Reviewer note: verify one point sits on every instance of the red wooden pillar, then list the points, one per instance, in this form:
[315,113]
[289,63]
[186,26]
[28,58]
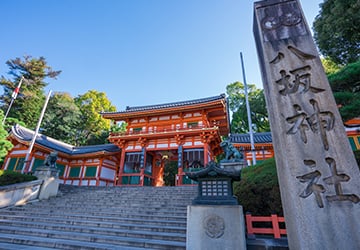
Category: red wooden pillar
[121,167]
[206,152]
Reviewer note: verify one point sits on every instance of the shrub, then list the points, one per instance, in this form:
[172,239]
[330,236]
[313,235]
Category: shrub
[258,191]
[8,177]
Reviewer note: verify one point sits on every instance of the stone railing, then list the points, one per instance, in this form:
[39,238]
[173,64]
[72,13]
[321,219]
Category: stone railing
[20,193]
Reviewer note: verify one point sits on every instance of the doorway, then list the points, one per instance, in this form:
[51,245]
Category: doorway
[170,172]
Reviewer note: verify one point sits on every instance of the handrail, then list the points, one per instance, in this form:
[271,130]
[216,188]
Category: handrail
[274,230]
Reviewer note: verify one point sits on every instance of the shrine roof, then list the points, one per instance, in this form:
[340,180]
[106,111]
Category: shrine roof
[26,135]
[263,137]
[168,105]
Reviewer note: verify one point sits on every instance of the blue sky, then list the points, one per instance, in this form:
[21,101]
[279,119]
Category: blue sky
[139,52]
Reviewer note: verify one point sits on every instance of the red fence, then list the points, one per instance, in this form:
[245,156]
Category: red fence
[274,230]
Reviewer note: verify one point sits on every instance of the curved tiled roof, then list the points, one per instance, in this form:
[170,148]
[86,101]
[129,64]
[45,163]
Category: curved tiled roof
[26,134]
[264,137]
[168,105]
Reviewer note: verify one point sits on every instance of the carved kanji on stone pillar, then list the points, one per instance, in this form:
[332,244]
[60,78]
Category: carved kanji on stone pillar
[318,176]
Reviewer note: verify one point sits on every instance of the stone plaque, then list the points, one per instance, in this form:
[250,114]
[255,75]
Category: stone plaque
[318,175]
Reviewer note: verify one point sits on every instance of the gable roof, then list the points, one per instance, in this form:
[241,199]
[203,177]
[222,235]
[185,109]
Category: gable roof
[168,105]
[263,137]
[25,135]
[216,108]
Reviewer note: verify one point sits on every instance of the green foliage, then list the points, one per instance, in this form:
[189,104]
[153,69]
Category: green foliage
[5,145]
[93,129]
[8,177]
[237,104]
[170,173]
[10,122]
[337,30]
[118,127]
[349,104]
[62,118]
[346,79]
[258,191]
[346,87]
[330,67]
[27,106]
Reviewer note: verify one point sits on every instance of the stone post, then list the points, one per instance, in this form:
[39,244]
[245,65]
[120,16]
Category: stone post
[318,175]
[50,177]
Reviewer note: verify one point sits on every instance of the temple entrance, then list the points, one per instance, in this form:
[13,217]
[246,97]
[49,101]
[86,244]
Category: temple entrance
[170,172]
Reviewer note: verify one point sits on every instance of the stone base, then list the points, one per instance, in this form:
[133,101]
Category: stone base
[215,227]
[233,166]
[50,185]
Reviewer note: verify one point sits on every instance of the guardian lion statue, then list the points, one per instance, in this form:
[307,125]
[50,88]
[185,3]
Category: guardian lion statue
[231,153]
[50,160]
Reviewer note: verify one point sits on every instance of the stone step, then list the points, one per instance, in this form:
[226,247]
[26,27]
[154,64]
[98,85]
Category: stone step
[82,233]
[96,221]
[139,198]
[96,215]
[121,201]
[105,204]
[103,226]
[100,218]
[9,246]
[121,213]
[25,233]
[32,242]
[79,204]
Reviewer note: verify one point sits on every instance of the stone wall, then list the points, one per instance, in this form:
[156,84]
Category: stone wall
[20,193]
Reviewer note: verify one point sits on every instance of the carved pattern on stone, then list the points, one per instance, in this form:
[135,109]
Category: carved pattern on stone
[336,179]
[318,121]
[273,19]
[303,56]
[301,78]
[281,21]
[312,187]
[214,226]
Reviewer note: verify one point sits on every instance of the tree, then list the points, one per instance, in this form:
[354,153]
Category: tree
[337,30]
[94,129]
[346,79]
[5,145]
[349,104]
[237,104]
[329,66]
[345,84]
[62,118]
[27,107]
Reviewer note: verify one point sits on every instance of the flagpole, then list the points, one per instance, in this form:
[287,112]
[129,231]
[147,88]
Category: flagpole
[13,97]
[248,113]
[36,132]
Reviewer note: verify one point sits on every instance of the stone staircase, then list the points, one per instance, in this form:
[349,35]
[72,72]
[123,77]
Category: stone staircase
[125,218]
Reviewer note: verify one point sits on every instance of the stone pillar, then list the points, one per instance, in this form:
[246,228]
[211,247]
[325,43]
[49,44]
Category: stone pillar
[318,175]
[215,227]
[50,177]
[215,220]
